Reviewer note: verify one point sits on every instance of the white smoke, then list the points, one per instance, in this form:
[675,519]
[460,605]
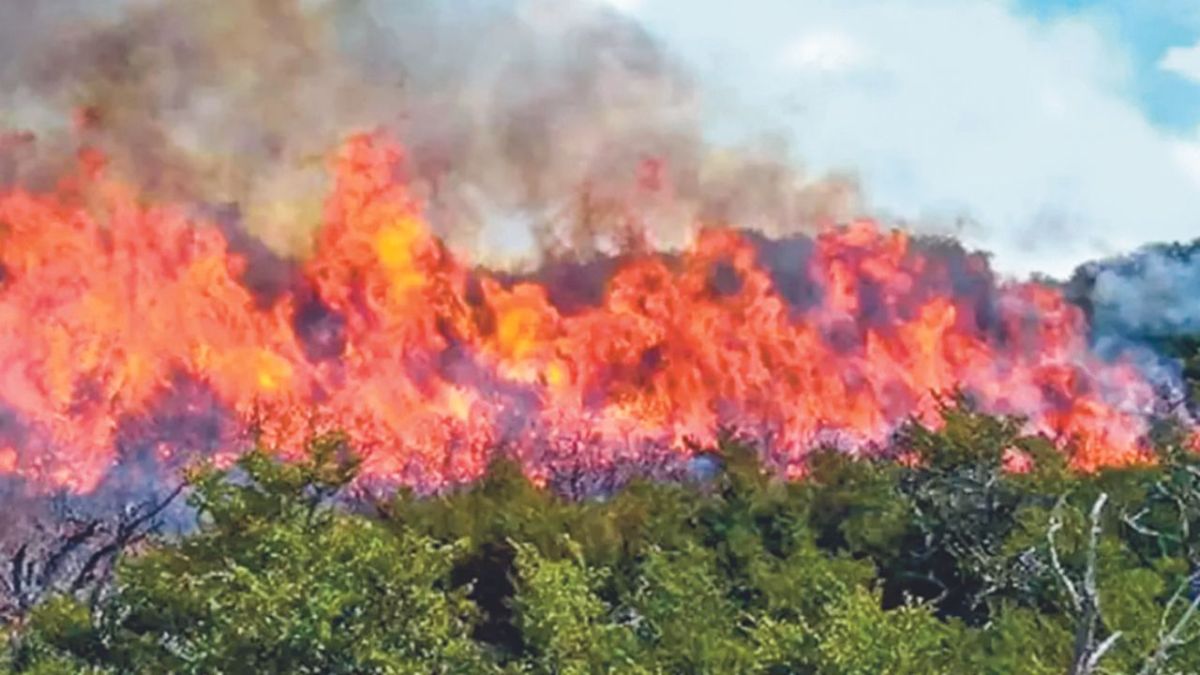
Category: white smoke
[1154,293]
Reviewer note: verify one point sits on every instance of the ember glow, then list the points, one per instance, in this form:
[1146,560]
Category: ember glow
[129,338]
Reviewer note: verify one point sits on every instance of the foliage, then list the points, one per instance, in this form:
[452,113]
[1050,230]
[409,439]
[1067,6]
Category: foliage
[275,580]
[946,564]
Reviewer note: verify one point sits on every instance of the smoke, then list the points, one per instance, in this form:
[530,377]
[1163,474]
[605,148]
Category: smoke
[533,126]
[1149,294]
[1138,303]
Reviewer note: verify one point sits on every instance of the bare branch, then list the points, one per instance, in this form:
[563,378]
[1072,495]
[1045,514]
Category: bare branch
[1134,524]
[1056,525]
[18,573]
[129,531]
[1089,577]
[1168,640]
[1086,600]
[68,546]
[1094,660]
[75,557]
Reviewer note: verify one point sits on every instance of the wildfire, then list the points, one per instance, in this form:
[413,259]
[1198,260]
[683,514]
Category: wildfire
[127,336]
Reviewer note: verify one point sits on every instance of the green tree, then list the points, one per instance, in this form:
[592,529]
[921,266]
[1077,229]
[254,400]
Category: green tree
[274,580]
[945,564]
[567,628]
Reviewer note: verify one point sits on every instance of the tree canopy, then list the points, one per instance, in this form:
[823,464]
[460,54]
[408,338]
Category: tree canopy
[947,563]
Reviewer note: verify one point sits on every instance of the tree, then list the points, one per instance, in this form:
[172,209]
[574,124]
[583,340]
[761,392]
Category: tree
[944,563]
[75,556]
[567,628]
[274,580]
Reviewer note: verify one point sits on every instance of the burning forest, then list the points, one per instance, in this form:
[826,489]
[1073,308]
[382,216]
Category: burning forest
[470,349]
[145,329]
[136,341]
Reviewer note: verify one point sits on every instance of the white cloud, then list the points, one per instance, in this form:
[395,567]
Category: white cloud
[965,108]
[825,51]
[623,5]
[1183,61]
[1187,154]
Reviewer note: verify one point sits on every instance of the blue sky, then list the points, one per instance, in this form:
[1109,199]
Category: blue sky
[1147,29]
[1047,132]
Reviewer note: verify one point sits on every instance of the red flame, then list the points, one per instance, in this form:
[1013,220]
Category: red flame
[109,307]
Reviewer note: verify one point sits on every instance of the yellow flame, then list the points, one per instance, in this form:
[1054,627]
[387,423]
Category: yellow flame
[395,246]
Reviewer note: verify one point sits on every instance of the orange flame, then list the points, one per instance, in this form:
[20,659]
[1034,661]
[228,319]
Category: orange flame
[126,333]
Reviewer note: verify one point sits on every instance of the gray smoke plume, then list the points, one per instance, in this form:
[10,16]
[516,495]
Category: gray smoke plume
[531,125]
[1138,304]
[1153,293]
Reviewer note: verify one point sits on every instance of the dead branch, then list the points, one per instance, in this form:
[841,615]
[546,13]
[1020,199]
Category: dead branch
[1056,564]
[77,559]
[1084,596]
[1170,638]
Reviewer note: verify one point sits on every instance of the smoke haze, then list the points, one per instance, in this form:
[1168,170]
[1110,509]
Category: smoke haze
[533,127]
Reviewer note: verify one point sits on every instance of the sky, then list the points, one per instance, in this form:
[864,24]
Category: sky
[1048,132]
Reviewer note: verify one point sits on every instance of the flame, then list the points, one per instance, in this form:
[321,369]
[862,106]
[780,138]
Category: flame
[126,332]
